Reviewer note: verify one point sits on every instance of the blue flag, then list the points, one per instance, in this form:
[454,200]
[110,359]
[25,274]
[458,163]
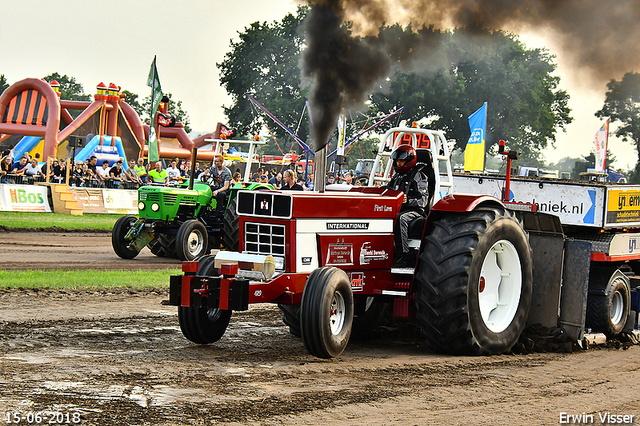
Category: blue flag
[474,152]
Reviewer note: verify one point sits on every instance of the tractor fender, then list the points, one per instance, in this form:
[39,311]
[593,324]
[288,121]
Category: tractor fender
[464,202]
[457,203]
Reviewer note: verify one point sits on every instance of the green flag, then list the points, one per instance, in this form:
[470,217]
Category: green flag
[156,95]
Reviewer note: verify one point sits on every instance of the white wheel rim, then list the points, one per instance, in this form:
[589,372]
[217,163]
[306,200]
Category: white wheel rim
[617,308]
[499,286]
[337,313]
[194,242]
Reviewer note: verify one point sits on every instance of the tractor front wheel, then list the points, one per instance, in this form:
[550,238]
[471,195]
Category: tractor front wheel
[118,242]
[326,312]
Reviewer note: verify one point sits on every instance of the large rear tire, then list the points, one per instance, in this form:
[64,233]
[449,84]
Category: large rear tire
[231,227]
[200,324]
[120,246]
[474,282]
[192,240]
[326,312]
[608,302]
[156,248]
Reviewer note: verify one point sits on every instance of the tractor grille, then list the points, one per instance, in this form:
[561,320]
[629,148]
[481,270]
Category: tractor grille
[170,199]
[264,239]
[149,196]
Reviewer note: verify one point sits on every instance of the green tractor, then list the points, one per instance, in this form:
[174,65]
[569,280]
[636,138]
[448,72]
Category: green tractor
[180,221]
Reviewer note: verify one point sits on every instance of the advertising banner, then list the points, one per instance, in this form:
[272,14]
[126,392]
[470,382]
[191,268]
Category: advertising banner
[574,204]
[90,200]
[623,205]
[24,198]
[120,200]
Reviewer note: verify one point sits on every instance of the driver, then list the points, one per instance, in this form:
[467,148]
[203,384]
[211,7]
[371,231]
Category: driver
[413,183]
[219,178]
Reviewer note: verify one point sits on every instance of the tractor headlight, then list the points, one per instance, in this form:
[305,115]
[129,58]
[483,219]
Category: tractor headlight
[279,263]
[155,207]
[140,205]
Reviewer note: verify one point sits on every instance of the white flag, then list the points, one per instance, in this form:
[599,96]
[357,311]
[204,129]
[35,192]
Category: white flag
[601,141]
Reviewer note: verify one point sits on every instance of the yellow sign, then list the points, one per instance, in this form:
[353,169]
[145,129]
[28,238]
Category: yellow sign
[623,206]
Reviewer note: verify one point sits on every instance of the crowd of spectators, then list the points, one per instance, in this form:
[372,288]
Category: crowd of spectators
[90,174]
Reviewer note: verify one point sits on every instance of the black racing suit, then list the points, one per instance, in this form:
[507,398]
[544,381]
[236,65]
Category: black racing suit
[414,184]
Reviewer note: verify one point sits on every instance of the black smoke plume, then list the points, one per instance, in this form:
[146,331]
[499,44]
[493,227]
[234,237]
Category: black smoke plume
[598,37]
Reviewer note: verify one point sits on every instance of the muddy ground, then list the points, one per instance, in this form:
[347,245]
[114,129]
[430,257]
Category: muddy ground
[119,358]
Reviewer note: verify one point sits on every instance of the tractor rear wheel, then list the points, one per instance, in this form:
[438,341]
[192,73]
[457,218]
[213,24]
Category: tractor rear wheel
[474,282]
[156,248]
[119,244]
[608,302]
[192,240]
[200,324]
[231,227]
[326,312]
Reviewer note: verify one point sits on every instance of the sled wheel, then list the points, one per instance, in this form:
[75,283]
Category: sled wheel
[200,324]
[231,227]
[192,240]
[474,282]
[291,317]
[608,303]
[326,312]
[120,245]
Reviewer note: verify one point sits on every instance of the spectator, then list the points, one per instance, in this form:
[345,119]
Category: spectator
[142,170]
[309,185]
[173,172]
[6,169]
[264,179]
[103,171]
[184,167]
[20,167]
[197,172]
[237,177]
[92,166]
[34,171]
[115,174]
[276,181]
[157,175]
[348,179]
[331,180]
[78,175]
[58,170]
[131,177]
[290,183]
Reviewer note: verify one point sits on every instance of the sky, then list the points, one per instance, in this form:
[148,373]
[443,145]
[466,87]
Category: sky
[115,41]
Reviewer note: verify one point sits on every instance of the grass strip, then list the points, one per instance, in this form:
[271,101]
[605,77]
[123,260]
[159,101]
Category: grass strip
[31,220]
[85,279]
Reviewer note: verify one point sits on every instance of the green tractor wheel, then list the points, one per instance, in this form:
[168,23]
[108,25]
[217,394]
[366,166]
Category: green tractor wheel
[192,240]
[118,242]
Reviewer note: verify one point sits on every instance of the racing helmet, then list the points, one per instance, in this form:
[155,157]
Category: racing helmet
[407,153]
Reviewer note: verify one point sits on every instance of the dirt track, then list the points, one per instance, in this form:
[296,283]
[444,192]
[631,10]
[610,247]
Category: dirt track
[120,359]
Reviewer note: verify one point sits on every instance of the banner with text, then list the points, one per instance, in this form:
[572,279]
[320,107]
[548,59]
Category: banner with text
[24,198]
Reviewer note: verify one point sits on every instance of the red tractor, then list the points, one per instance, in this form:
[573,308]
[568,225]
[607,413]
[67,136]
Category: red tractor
[326,259]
